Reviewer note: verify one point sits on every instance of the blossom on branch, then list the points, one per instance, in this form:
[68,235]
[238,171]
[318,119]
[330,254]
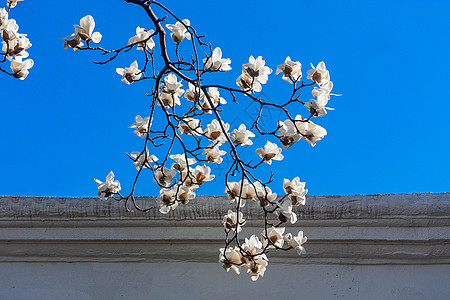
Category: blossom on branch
[214,154]
[314,133]
[319,74]
[164,176]
[131,74]
[274,238]
[109,187]
[16,47]
[231,259]
[141,125]
[231,221]
[20,69]
[256,264]
[296,242]
[171,91]
[216,62]
[190,126]
[214,131]
[317,107]
[194,93]
[179,31]
[296,190]
[86,28]
[143,37]
[143,159]
[12,3]
[241,136]
[269,152]
[291,70]
[254,73]
[287,133]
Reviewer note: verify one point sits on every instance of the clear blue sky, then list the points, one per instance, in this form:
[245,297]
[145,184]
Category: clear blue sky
[67,122]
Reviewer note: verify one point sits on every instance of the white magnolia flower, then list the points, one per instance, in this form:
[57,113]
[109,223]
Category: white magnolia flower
[181,164]
[230,221]
[274,237]
[17,47]
[171,92]
[245,82]
[86,28]
[167,200]
[3,17]
[20,69]
[131,74]
[317,107]
[143,159]
[216,62]
[264,194]
[214,132]
[184,193]
[214,154]
[242,188]
[72,41]
[324,89]
[319,74]
[257,265]
[109,187]
[291,70]
[287,133]
[231,259]
[12,3]
[198,176]
[141,125]
[284,211]
[314,133]
[296,242]
[179,31]
[190,126]
[164,176]
[194,93]
[241,136]
[255,68]
[269,152]
[9,32]
[296,190]
[215,98]
[142,34]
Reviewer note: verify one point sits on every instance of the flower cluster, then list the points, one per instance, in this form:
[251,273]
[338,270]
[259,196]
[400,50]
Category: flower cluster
[186,130]
[14,44]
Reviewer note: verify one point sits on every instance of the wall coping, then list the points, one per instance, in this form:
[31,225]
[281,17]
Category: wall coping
[355,229]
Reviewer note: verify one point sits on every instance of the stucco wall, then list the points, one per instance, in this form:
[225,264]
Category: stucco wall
[359,247]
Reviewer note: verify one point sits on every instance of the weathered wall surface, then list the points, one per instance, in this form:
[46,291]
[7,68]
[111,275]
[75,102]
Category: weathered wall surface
[359,247]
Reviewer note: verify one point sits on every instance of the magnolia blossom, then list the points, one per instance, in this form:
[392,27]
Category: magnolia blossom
[287,133]
[9,31]
[12,3]
[171,92]
[214,132]
[317,107]
[143,37]
[314,133]
[274,237]
[324,89]
[131,74]
[72,41]
[198,176]
[246,82]
[179,31]
[296,190]
[214,154]
[17,47]
[258,264]
[255,68]
[231,258]
[167,200]
[264,194]
[243,189]
[109,187]
[319,74]
[86,28]
[141,125]
[269,152]
[181,164]
[231,221]
[3,17]
[19,68]
[216,62]
[164,176]
[214,97]
[184,193]
[143,159]
[190,126]
[194,93]
[284,211]
[241,136]
[296,242]
[291,70]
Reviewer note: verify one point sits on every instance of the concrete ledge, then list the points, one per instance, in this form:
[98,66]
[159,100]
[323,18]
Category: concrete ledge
[375,229]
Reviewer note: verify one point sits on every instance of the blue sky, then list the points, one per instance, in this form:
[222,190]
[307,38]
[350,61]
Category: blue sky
[67,122]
